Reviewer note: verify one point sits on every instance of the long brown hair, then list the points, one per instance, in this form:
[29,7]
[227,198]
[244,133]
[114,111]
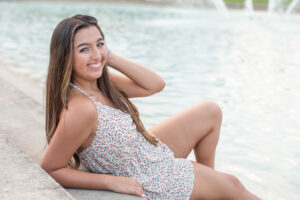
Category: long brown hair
[60,76]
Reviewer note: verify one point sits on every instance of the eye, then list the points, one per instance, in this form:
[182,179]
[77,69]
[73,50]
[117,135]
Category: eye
[83,50]
[100,44]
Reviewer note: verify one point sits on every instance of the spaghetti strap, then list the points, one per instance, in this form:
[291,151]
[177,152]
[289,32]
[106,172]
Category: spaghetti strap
[83,92]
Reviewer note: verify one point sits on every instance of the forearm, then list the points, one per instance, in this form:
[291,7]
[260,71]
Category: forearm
[142,76]
[72,178]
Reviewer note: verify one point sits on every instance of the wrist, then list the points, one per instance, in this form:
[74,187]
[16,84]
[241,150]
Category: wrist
[108,57]
[108,180]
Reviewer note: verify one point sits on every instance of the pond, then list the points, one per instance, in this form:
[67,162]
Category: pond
[249,65]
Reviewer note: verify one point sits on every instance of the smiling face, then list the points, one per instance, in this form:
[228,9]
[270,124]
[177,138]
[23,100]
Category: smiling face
[90,54]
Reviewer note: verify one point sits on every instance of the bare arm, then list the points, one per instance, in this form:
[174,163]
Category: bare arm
[75,126]
[138,81]
[72,178]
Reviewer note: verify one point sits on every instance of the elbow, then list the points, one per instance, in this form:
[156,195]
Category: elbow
[53,174]
[48,171]
[160,85]
[163,85]
[48,168]
[45,168]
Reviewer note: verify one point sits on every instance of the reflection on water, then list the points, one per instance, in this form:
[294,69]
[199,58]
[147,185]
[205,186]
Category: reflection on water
[249,66]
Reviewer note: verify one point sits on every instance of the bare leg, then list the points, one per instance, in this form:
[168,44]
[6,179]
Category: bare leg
[206,147]
[197,127]
[211,184]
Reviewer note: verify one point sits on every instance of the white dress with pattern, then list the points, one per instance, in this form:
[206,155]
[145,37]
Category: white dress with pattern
[119,149]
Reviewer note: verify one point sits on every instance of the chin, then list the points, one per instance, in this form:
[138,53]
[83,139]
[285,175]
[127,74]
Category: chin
[97,76]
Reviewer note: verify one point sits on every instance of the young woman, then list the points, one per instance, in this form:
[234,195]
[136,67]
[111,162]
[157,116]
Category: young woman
[90,120]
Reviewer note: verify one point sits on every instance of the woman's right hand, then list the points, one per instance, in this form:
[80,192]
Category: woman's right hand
[125,185]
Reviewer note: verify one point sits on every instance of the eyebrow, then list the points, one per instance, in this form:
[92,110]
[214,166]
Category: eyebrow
[82,44]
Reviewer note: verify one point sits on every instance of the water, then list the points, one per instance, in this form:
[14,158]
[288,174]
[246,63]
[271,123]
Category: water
[291,6]
[250,66]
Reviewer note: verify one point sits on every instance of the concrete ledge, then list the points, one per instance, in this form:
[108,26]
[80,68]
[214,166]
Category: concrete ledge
[21,178]
[22,117]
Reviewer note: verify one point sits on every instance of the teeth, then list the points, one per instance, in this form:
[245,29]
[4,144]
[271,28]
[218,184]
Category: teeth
[94,66]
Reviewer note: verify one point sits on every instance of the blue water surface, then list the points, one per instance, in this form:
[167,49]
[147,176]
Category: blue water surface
[248,64]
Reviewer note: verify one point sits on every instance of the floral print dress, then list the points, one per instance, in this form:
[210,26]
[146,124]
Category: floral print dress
[119,149]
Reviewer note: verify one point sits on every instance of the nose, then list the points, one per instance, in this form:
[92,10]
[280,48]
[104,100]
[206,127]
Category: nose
[96,54]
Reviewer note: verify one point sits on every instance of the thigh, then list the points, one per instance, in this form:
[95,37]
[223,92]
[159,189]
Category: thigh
[211,184]
[183,131]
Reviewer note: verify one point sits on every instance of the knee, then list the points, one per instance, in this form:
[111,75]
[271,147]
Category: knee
[235,182]
[212,109]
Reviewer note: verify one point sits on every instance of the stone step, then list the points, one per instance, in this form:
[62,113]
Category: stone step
[22,178]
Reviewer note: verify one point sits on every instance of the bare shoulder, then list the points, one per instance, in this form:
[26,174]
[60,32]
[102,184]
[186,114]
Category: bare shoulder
[81,111]
[76,124]
[81,103]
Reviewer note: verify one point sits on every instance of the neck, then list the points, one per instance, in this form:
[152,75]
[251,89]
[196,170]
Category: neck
[88,86]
